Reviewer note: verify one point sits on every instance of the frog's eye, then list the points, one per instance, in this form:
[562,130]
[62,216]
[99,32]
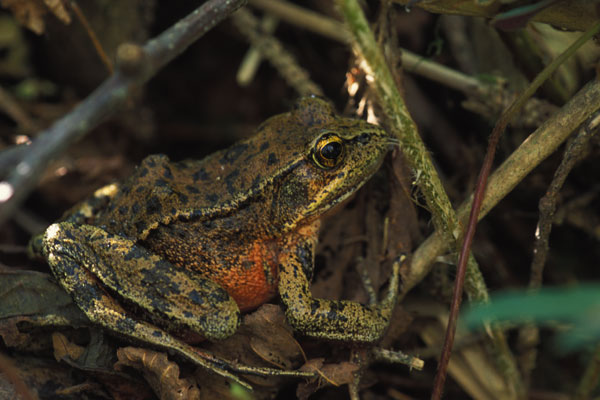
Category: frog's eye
[328,151]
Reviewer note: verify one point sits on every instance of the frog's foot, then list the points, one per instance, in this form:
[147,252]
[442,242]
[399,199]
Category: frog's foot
[329,319]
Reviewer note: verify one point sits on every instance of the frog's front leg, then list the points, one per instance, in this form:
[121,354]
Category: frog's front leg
[329,319]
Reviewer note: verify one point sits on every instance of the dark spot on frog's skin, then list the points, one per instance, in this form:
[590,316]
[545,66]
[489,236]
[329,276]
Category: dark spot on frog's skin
[160,306]
[133,254]
[218,296]
[135,208]
[183,199]
[173,211]
[157,334]
[212,198]
[314,307]
[196,297]
[200,175]
[336,312]
[192,189]
[250,156]
[363,138]
[230,180]
[272,159]
[153,206]
[264,146]
[68,234]
[305,258]
[123,210]
[188,314]
[140,226]
[233,153]
[167,173]
[151,162]
[125,325]
[160,183]
[140,189]
[341,175]
[256,181]
[143,172]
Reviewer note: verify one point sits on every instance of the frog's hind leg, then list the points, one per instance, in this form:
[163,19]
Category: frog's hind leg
[78,255]
[105,311]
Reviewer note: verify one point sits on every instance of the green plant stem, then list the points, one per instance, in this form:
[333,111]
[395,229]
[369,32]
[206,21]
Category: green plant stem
[402,126]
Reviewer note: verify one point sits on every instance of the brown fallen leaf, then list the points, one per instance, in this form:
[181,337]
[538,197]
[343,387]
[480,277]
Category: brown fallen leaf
[329,374]
[64,348]
[30,13]
[161,373]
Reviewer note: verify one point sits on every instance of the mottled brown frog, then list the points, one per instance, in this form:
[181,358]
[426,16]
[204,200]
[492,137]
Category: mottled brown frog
[191,244]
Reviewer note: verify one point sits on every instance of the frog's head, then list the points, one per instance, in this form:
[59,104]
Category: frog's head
[337,156]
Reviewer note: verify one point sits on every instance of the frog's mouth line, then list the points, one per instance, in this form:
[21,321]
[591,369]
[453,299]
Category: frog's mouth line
[341,199]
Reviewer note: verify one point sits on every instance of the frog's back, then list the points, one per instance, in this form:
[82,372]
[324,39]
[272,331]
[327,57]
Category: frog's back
[161,191]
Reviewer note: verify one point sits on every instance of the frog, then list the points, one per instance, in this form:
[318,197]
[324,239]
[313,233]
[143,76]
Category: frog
[188,246]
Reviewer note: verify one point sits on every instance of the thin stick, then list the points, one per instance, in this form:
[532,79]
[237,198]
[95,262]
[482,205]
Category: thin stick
[88,28]
[272,49]
[107,98]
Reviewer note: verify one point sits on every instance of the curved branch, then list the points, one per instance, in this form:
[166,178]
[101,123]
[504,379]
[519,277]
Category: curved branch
[137,65]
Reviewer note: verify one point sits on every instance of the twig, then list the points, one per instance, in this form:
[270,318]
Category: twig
[10,106]
[92,35]
[336,30]
[278,56]
[107,98]
[305,18]
[253,58]
[484,98]
[576,150]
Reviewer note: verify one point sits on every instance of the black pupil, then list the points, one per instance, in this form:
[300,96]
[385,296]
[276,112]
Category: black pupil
[331,150]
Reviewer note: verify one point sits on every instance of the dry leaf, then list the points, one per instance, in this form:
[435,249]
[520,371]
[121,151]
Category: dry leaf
[30,13]
[63,347]
[57,7]
[328,374]
[161,374]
